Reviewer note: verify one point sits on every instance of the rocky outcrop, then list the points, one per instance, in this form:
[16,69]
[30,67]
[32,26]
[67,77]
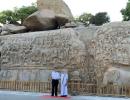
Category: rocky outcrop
[51,15]
[45,20]
[58,6]
[95,53]
[86,35]
[70,25]
[61,19]
[41,20]
[31,56]
[28,55]
[111,47]
[12,29]
[36,51]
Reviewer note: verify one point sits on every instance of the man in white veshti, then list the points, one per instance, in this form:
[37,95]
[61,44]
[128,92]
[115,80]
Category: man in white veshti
[64,81]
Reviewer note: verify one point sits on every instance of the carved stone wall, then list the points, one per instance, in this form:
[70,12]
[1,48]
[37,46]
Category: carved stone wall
[32,56]
[90,51]
[42,49]
[25,56]
[111,47]
[87,34]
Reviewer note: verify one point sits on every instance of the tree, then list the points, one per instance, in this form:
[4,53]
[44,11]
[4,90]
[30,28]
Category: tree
[6,16]
[100,18]
[126,12]
[18,14]
[24,12]
[84,18]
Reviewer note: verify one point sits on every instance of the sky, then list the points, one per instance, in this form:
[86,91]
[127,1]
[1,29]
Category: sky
[78,7]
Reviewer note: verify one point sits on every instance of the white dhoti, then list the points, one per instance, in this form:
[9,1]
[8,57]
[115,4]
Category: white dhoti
[64,81]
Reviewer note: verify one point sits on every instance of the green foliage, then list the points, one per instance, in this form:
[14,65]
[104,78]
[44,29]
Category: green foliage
[84,18]
[6,16]
[18,14]
[126,12]
[24,12]
[100,18]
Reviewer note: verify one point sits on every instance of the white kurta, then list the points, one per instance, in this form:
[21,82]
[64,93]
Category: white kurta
[64,80]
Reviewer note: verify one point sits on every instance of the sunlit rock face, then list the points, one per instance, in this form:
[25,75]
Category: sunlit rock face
[28,56]
[8,29]
[41,48]
[41,20]
[51,14]
[95,53]
[111,47]
[117,76]
[58,6]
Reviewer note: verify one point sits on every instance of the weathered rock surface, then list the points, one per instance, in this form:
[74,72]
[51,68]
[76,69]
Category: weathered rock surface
[117,76]
[52,14]
[86,35]
[25,74]
[111,47]
[29,55]
[58,6]
[62,19]
[12,29]
[41,20]
[70,25]
[92,52]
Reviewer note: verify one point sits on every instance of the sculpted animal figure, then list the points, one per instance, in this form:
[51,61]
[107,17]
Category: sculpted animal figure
[116,79]
[117,76]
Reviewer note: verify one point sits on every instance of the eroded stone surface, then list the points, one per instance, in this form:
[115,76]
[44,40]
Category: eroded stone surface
[111,47]
[12,29]
[28,53]
[41,20]
[117,76]
[41,48]
[90,51]
[58,6]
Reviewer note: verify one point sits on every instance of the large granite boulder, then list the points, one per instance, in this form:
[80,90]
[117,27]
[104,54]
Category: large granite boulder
[52,14]
[41,20]
[58,6]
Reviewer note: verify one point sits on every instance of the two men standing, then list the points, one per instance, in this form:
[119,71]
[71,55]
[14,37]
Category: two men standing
[56,76]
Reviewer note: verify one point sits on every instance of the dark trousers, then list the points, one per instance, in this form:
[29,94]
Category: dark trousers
[54,87]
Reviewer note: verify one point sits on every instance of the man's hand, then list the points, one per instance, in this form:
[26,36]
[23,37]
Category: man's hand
[66,84]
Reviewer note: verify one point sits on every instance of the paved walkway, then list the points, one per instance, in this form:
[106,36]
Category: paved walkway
[8,95]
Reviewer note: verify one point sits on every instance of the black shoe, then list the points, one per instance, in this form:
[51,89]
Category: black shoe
[63,95]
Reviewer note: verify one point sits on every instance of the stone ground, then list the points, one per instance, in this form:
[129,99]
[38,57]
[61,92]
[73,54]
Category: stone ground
[10,95]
